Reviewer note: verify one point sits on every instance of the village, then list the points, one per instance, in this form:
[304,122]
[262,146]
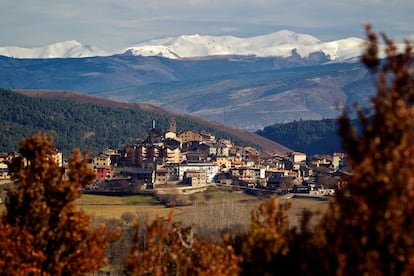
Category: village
[168,162]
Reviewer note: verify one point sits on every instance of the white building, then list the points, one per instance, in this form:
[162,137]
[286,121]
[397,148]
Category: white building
[209,168]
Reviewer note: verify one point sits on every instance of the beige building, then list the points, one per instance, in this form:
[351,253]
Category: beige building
[297,159]
[161,176]
[188,136]
[172,155]
[195,177]
[101,161]
[223,163]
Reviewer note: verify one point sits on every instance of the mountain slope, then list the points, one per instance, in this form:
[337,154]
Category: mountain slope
[92,123]
[308,136]
[239,91]
[254,100]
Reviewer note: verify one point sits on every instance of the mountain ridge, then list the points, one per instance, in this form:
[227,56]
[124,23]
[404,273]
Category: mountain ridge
[277,44]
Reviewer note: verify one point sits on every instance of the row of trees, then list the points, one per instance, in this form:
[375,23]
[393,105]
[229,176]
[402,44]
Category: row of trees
[368,229]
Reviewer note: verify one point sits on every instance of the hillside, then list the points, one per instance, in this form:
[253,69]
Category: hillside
[308,136]
[244,92]
[92,123]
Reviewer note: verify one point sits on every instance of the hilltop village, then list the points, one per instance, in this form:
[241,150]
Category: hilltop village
[188,161]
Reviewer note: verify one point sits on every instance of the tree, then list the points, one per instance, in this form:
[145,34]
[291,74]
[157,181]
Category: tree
[326,181]
[286,183]
[165,248]
[42,232]
[369,229]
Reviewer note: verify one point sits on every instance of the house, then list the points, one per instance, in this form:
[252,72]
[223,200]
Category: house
[239,151]
[195,177]
[222,149]
[133,155]
[172,150]
[104,172]
[102,166]
[189,136]
[223,163]
[297,159]
[337,160]
[253,155]
[208,137]
[161,176]
[210,169]
[275,178]
[249,175]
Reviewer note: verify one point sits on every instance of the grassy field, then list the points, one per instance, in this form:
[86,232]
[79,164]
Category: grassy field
[114,206]
[219,207]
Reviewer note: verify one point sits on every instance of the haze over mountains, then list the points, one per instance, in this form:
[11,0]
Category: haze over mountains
[247,83]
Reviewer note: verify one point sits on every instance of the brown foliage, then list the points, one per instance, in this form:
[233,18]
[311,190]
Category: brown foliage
[42,232]
[166,248]
[369,229]
[266,240]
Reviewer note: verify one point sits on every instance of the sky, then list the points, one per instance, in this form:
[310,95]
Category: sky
[118,24]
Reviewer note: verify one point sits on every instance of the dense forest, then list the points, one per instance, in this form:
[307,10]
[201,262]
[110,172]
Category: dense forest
[90,127]
[311,137]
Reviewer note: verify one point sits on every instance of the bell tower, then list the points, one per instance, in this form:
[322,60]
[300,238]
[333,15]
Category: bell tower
[173,125]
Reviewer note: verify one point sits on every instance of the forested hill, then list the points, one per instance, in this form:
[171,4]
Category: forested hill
[91,123]
[311,137]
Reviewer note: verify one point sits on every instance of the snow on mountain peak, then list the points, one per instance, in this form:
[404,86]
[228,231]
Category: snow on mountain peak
[65,49]
[281,44]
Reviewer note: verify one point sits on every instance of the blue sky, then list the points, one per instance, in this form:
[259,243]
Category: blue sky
[117,24]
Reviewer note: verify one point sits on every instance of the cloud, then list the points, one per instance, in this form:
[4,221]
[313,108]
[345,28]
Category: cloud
[115,24]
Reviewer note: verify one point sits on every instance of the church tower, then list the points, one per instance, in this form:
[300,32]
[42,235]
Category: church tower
[173,125]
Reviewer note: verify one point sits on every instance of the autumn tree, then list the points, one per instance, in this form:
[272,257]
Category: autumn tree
[369,229]
[41,231]
[162,247]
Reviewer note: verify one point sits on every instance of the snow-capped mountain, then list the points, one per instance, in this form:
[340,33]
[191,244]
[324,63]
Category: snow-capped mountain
[66,49]
[280,44]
